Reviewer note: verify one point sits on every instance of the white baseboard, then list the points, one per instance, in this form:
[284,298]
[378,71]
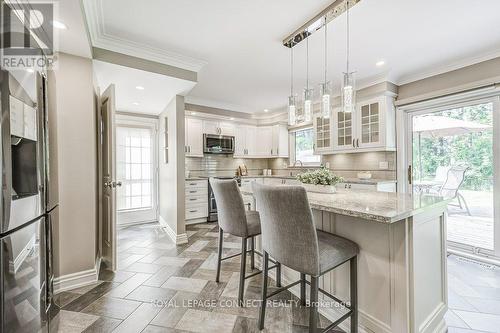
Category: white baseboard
[178,239]
[78,279]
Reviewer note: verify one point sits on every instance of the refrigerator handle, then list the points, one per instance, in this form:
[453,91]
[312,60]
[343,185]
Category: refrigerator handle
[6,153]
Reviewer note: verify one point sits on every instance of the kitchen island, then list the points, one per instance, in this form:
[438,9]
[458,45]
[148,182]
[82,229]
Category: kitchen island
[402,280]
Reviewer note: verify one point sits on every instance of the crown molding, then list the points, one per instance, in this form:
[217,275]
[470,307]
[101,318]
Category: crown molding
[102,39]
[437,70]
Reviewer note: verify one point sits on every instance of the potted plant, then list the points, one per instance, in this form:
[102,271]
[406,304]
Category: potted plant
[321,180]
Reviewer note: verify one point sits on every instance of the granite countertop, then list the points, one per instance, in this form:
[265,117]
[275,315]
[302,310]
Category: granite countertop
[372,181]
[381,207]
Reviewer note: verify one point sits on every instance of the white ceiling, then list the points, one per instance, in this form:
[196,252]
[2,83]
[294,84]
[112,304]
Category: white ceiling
[75,39]
[247,68]
[158,89]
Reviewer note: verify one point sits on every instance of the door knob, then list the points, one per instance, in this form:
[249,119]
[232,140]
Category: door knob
[116,184]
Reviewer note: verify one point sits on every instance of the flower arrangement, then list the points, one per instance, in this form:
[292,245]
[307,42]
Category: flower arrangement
[321,176]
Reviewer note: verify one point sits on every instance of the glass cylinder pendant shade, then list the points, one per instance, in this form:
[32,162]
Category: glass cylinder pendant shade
[292,110]
[308,98]
[348,93]
[325,99]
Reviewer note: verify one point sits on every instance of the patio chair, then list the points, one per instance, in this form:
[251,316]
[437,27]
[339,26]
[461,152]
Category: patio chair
[450,188]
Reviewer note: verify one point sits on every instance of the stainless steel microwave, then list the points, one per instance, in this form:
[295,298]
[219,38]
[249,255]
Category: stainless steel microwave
[218,144]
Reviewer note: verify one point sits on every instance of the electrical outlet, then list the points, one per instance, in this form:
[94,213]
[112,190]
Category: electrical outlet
[383,165]
[327,165]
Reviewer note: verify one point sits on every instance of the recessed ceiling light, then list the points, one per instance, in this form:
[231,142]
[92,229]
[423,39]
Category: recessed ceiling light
[139,88]
[380,63]
[231,118]
[266,110]
[136,103]
[30,70]
[193,113]
[59,25]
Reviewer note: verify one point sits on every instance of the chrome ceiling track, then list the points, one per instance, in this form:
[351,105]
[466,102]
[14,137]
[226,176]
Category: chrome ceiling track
[317,22]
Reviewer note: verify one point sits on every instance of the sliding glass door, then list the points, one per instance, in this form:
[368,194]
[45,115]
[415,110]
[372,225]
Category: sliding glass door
[452,150]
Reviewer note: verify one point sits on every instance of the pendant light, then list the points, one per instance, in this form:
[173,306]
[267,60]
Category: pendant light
[348,92]
[292,108]
[325,87]
[308,93]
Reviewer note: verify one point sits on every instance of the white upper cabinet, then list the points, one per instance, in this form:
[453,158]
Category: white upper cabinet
[227,129]
[322,133]
[280,141]
[264,141]
[218,128]
[251,141]
[194,137]
[370,128]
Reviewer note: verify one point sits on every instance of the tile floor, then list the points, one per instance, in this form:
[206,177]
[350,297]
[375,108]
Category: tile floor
[159,287]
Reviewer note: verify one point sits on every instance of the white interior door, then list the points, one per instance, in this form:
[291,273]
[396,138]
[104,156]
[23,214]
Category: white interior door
[474,214]
[108,180]
[136,170]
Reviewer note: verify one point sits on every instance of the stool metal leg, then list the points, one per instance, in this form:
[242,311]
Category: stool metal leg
[313,306]
[302,289]
[262,314]
[252,253]
[219,254]
[278,274]
[354,294]
[242,270]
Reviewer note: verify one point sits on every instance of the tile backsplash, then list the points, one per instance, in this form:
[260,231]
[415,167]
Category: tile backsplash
[345,165]
[223,165]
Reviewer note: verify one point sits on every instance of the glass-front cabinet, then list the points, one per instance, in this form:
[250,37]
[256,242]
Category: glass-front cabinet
[370,123]
[322,133]
[370,128]
[343,130]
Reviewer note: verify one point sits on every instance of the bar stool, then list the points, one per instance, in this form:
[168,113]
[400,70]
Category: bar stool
[235,220]
[288,229]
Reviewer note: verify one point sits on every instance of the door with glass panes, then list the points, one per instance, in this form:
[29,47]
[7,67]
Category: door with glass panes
[343,137]
[136,170]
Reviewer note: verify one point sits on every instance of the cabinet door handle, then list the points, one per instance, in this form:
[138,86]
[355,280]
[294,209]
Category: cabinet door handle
[357,143]
[353,143]
[271,152]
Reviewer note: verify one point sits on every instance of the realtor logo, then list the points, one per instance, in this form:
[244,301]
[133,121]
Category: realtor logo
[27,35]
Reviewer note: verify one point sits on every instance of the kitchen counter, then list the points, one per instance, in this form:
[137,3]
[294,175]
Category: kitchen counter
[374,206]
[402,260]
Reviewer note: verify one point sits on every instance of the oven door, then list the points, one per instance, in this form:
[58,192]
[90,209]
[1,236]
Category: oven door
[218,144]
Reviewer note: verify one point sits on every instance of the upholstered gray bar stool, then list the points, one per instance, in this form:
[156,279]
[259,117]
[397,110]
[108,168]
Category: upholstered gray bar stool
[288,230]
[235,220]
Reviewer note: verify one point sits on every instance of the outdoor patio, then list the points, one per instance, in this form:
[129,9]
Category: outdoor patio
[477,229]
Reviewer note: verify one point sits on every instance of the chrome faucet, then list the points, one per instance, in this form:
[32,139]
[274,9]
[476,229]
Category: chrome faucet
[295,163]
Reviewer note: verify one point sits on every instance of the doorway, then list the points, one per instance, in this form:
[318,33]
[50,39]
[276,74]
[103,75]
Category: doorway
[136,168]
[450,148]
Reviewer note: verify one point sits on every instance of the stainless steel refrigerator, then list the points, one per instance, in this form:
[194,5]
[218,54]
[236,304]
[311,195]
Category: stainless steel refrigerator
[27,205]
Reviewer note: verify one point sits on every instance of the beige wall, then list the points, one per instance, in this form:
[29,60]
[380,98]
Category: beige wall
[171,174]
[470,77]
[74,146]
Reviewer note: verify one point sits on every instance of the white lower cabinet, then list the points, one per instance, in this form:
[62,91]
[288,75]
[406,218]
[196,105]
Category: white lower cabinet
[196,201]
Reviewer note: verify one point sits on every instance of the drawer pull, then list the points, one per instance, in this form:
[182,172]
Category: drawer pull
[193,191]
[192,183]
[192,199]
[193,211]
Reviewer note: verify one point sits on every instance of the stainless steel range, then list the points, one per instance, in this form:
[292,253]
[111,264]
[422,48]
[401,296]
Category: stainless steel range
[212,204]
